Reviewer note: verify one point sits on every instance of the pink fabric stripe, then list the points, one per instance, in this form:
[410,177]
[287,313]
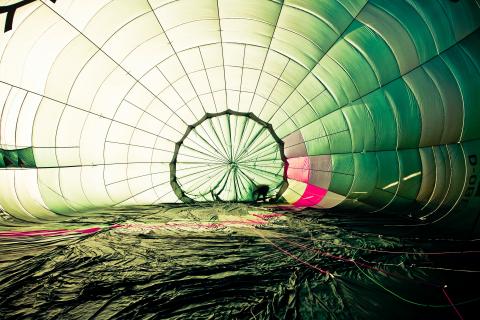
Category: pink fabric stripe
[47,233]
[299,169]
[313,195]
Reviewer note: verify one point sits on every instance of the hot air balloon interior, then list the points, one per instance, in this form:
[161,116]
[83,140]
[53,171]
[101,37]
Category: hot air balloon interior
[239,159]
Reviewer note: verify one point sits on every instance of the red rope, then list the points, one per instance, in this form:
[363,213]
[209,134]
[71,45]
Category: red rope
[451,303]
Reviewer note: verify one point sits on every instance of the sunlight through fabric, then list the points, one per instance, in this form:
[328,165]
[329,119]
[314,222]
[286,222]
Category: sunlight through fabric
[364,105]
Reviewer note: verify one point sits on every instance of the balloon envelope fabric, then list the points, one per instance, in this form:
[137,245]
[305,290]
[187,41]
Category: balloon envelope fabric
[365,105]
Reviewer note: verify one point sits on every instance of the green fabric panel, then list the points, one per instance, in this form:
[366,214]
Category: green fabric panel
[353,6]
[453,192]
[340,142]
[2,163]
[297,41]
[27,157]
[471,46]
[430,105]
[334,14]
[383,119]
[379,55]
[294,17]
[471,190]
[287,127]
[458,172]
[388,170]
[451,97]
[343,163]
[334,122]
[337,131]
[294,104]
[413,23]
[464,215]
[279,94]
[304,116]
[318,146]
[342,173]
[331,81]
[10,158]
[428,175]
[308,25]
[387,164]
[410,179]
[324,104]
[464,16]
[313,130]
[357,67]
[341,183]
[400,206]
[442,178]
[394,34]
[54,201]
[437,21]
[407,114]
[361,127]
[310,87]
[468,78]
[294,73]
[365,180]
[342,81]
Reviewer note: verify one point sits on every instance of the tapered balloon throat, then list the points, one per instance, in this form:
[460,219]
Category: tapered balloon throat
[226,156]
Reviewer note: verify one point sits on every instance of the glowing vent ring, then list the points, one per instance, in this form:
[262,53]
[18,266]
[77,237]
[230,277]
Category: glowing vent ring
[228,157]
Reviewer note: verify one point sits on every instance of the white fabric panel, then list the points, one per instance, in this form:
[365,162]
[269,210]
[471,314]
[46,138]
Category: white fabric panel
[212,55]
[43,54]
[9,117]
[155,81]
[67,66]
[77,12]
[171,98]
[200,82]
[23,12]
[233,76]
[94,186]
[131,35]
[191,60]
[266,11]
[90,78]
[142,190]
[142,139]
[49,186]
[193,34]
[119,191]
[119,132]
[115,153]
[72,188]
[216,78]
[234,54]
[45,130]
[70,127]
[111,93]
[113,16]
[249,79]
[246,31]
[92,140]
[141,60]
[9,197]
[184,88]
[181,12]
[67,156]
[140,96]
[26,116]
[20,45]
[114,173]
